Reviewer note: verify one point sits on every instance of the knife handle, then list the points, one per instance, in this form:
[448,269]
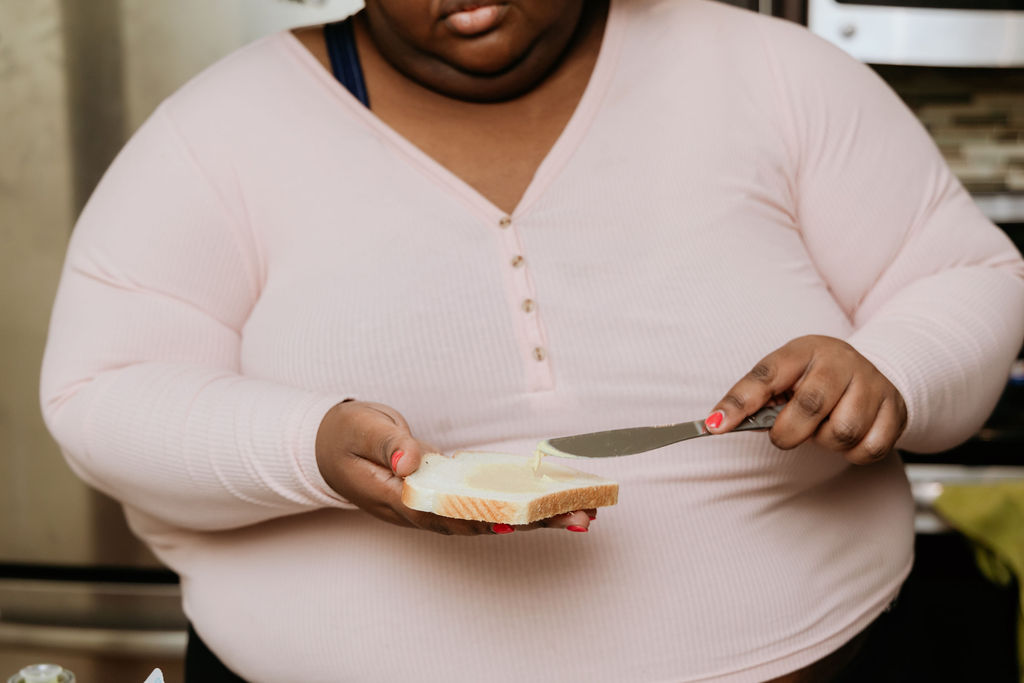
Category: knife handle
[762,419]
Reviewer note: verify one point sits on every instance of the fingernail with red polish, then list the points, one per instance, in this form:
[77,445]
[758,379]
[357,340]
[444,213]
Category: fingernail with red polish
[576,528]
[395,457]
[502,528]
[714,420]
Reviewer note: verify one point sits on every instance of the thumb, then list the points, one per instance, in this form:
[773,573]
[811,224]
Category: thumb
[383,437]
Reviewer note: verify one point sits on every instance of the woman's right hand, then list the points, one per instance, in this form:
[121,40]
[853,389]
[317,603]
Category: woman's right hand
[364,449]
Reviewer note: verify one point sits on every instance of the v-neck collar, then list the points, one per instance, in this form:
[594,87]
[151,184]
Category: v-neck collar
[561,151]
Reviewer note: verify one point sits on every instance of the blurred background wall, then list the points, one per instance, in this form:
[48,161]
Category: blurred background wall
[76,78]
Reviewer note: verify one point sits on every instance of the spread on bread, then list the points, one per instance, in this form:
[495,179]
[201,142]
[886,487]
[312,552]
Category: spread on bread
[535,460]
[512,477]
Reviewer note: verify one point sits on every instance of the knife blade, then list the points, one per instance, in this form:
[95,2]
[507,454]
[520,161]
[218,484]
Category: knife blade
[632,440]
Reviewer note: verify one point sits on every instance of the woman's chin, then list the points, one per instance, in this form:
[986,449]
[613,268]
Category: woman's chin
[478,88]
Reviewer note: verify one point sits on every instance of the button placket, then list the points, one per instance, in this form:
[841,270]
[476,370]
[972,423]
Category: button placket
[538,368]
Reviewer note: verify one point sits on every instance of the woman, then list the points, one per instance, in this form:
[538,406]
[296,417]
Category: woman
[493,224]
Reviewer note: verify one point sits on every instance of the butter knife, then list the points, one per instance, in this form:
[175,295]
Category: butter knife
[639,439]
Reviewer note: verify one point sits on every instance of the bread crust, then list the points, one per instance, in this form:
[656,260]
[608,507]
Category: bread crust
[483,509]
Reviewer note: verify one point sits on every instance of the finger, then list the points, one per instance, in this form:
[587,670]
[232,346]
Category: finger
[382,436]
[881,438]
[449,526]
[372,488]
[577,521]
[404,463]
[771,376]
[815,396]
[850,419]
[406,455]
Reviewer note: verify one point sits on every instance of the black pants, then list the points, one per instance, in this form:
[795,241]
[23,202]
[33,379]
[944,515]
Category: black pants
[202,666]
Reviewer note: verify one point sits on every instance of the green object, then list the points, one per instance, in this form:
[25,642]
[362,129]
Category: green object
[991,515]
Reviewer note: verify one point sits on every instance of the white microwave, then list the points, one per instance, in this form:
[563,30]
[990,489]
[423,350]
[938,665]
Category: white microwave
[969,33]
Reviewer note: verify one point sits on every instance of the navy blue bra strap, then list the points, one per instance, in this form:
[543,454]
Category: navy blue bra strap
[341,47]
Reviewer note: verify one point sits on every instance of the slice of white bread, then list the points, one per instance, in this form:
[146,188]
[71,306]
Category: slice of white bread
[502,488]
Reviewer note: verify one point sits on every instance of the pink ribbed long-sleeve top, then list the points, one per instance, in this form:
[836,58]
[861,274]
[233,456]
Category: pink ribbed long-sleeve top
[265,247]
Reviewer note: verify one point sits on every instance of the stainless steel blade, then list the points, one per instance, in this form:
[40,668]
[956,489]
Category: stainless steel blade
[633,440]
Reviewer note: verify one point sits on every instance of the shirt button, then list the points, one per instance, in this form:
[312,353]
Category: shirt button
[529,305]
[517,261]
[505,221]
[539,353]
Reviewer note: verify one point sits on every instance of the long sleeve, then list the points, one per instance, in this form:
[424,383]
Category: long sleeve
[142,383]
[935,291]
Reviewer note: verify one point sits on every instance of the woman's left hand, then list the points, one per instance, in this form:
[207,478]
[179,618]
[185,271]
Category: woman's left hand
[836,397]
